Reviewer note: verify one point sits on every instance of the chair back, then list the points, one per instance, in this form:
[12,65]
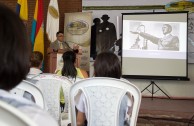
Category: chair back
[50,85]
[103,97]
[11,116]
[31,90]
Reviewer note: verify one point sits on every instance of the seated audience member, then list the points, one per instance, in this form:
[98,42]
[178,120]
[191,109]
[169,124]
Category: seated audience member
[14,66]
[36,60]
[36,63]
[60,44]
[35,68]
[106,64]
[69,70]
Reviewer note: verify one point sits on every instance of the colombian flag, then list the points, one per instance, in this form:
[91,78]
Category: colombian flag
[37,34]
[22,9]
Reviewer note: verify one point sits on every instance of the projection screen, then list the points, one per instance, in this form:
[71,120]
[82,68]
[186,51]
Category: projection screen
[154,45]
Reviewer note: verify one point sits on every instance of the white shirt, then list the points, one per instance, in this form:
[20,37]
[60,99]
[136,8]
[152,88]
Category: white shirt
[33,72]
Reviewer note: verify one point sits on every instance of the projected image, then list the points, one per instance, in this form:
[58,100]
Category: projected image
[154,36]
[155,45]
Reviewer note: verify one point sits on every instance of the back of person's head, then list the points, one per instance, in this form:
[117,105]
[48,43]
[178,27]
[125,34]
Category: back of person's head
[59,32]
[14,46]
[36,59]
[96,21]
[107,64]
[69,70]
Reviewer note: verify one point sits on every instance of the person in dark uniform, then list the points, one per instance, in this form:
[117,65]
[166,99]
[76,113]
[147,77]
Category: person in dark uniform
[106,35]
[96,22]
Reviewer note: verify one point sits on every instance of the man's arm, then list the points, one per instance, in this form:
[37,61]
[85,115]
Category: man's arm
[80,106]
[147,36]
[80,118]
[53,45]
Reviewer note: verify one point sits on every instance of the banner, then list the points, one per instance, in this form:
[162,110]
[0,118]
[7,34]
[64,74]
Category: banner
[77,31]
[37,34]
[22,9]
[52,24]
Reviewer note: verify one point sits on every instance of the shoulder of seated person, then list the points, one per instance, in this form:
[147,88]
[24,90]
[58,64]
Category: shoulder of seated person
[84,72]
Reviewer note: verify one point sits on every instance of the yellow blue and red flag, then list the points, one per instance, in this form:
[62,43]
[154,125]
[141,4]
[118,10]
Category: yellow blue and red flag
[22,9]
[37,34]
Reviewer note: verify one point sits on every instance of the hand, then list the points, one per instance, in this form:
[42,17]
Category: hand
[55,50]
[134,32]
[75,47]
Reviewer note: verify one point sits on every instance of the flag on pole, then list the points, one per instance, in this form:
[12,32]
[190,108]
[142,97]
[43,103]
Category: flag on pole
[37,34]
[52,24]
[22,9]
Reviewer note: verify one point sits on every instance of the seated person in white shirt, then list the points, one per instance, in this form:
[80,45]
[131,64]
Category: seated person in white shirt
[36,63]
[14,66]
[35,66]
[106,64]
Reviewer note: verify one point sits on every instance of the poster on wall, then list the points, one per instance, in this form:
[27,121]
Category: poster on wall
[77,31]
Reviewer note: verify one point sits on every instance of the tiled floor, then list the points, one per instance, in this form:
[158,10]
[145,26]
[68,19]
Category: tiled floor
[165,112]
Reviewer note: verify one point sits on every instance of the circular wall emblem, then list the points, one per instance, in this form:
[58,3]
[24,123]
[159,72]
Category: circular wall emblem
[53,12]
[78,27]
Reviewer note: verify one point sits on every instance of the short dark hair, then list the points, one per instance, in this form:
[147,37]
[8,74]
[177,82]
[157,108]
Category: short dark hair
[169,28]
[36,59]
[69,70]
[96,20]
[14,46]
[59,33]
[107,64]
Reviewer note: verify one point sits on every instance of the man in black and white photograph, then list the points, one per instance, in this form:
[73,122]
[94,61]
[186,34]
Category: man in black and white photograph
[166,42]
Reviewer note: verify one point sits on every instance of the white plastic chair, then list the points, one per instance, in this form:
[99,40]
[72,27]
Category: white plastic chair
[103,97]
[50,85]
[32,90]
[10,116]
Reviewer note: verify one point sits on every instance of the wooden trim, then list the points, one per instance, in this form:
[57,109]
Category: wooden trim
[147,7]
